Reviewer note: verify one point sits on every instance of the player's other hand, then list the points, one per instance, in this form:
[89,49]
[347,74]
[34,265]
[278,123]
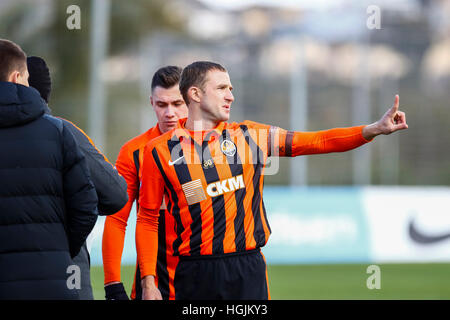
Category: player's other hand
[393,120]
[149,289]
[115,291]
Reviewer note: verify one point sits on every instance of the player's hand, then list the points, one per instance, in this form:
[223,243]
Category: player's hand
[393,120]
[149,289]
[115,291]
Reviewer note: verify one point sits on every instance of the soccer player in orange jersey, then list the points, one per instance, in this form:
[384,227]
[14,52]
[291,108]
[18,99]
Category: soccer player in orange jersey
[212,172]
[169,107]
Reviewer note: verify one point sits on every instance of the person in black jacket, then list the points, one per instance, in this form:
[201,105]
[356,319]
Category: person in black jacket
[111,187]
[48,203]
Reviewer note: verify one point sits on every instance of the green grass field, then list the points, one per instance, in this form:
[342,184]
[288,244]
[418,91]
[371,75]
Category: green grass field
[338,281]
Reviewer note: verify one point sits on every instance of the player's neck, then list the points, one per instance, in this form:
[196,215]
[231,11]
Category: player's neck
[200,124]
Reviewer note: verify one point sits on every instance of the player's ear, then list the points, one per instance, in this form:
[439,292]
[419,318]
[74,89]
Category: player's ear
[151,100]
[14,77]
[194,94]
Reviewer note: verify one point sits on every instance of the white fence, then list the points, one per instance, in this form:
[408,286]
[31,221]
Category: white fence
[342,225]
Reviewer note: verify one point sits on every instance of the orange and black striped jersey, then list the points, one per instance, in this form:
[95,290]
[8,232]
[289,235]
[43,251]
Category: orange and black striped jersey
[129,165]
[214,182]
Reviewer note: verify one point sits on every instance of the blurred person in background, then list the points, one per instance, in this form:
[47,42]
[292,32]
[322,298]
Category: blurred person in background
[48,203]
[111,188]
[214,174]
[169,107]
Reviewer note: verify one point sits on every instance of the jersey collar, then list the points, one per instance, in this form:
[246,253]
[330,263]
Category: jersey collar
[182,133]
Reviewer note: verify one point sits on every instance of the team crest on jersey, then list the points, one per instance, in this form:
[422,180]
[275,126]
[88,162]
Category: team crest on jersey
[228,148]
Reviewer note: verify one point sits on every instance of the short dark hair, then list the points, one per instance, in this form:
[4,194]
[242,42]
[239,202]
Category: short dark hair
[195,75]
[12,58]
[166,77]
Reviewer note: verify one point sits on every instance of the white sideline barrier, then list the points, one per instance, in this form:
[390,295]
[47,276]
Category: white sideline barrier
[341,225]
[408,224]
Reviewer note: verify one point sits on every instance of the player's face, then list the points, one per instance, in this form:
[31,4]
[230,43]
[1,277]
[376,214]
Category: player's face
[216,96]
[169,107]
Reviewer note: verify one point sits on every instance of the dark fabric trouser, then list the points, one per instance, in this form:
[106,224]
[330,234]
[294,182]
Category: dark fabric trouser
[231,276]
[84,262]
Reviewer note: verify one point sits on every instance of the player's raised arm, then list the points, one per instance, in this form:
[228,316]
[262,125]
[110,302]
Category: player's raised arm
[393,120]
[290,144]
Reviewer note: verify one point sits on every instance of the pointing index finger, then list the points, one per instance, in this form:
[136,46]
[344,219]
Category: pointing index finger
[396,103]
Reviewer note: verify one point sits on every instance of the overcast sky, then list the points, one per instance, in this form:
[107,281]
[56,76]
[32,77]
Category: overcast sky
[308,4]
[237,4]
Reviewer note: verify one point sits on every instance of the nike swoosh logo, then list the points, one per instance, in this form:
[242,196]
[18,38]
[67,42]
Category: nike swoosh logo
[419,237]
[171,163]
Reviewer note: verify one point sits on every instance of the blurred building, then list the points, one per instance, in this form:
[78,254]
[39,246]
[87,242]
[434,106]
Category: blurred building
[297,64]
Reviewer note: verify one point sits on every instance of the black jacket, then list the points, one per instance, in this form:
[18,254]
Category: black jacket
[110,186]
[112,195]
[48,204]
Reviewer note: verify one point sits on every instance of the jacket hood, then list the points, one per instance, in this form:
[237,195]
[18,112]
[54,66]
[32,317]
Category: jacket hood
[19,104]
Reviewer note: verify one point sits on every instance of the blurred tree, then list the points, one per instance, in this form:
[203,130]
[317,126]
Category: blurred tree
[67,51]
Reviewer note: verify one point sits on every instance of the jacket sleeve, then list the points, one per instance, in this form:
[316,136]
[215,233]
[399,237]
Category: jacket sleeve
[110,186]
[79,193]
[116,224]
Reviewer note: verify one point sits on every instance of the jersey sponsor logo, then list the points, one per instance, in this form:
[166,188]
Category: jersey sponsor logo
[171,163]
[228,148]
[193,191]
[223,186]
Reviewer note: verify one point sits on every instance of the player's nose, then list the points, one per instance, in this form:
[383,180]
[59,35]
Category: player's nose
[229,96]
[170,112]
